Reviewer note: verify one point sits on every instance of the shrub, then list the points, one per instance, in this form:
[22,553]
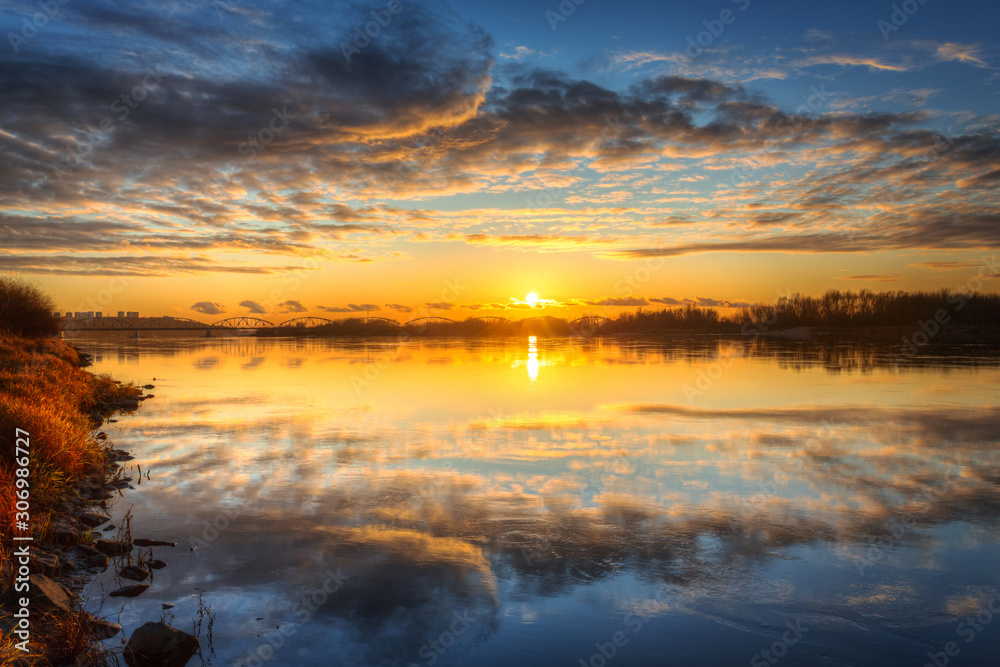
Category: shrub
[25,310]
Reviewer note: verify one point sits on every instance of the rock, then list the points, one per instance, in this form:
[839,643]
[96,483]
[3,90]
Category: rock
[133,572]
[121,483]
[102,436]
[129,591]
[103,629]
[168,605]
[70,565]
[148,396]
[43,563]
[148,386]
[113,547]
[63,532]
[109,527]
[143,542]
[157,564]
[47,594]
[99,561]
[93,519]
[159,645]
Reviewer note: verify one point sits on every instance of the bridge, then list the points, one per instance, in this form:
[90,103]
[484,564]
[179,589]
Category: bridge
[132,324]
[159,324]
[491,320]
[252,324]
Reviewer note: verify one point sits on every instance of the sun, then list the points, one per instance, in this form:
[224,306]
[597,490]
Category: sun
[531,299]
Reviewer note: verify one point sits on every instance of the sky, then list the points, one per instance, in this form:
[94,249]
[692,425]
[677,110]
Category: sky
[404,159]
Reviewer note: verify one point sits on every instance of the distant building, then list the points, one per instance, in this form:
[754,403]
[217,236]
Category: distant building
[77,314]
[133,314]
[89,313]
[121,313]
[56,314]
[99,314]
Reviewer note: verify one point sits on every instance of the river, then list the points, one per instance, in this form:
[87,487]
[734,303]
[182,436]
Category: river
[564,501]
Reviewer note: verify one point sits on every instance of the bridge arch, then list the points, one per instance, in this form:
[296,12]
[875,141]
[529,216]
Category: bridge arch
[242,323]
[594,319]
[306,322]
[429,320]
[383,320]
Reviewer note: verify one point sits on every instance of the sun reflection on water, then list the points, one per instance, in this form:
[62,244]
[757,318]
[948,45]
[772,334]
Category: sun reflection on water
[533,358]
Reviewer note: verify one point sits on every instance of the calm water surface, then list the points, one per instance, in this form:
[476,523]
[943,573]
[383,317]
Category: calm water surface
[565,502]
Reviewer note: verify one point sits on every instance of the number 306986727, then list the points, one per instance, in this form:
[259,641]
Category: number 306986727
[22,459]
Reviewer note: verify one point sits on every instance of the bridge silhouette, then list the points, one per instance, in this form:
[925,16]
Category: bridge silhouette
[186,324]
[245,323]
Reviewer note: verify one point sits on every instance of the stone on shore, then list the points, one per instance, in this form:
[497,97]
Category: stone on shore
[129,591]
[63,532]
[113,547]
[133,572]
[93,557]
[103,629]
[159,645]
[143,542]
[47,594]
[93,519]
[43,563]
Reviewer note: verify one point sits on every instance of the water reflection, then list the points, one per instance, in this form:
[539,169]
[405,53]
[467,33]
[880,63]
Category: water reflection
[533,358]
[539,514]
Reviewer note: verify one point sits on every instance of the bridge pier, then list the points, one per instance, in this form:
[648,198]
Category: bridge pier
[135,333]
[208,333]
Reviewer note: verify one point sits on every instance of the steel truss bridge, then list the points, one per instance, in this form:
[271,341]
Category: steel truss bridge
[255,323]
[186,324]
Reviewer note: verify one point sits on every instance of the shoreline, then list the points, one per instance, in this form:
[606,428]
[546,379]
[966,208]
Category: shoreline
[944,334]
[69,538]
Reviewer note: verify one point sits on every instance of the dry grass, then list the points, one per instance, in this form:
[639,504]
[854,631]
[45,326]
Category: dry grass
[44,391]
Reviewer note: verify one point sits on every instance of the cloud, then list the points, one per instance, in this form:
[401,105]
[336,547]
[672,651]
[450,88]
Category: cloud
[546,241]
[440,305]
[522,52]
[988,179]
[847,59]
[706,302]
[353,308]
[209,308]
[872,278]
[948,266]
[292,307]
[254,307]
[422,113]
[619,301]
[540,303]
[967,53]
[399,307]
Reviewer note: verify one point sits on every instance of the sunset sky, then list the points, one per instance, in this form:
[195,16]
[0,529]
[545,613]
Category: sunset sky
[207,159]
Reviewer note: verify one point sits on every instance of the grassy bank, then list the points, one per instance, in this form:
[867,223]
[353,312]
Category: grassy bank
[45,392]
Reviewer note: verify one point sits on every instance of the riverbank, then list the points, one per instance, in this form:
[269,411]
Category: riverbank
[57,474]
